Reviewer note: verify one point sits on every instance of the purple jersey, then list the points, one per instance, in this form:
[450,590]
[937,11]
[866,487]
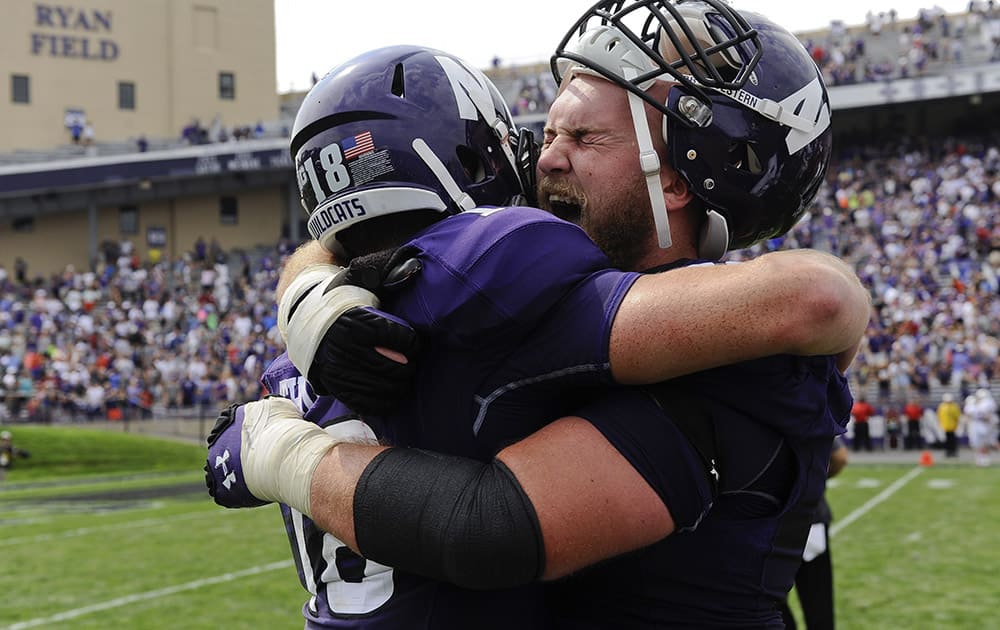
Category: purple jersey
[515,309]
[775,420]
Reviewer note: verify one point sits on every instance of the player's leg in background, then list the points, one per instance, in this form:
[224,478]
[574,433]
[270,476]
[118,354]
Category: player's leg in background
[814,585]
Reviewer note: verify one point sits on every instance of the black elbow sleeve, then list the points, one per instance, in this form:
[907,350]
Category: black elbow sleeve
[448,518]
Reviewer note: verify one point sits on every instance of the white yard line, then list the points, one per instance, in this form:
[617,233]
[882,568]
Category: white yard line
[138,597]
[840,524]
[83,531]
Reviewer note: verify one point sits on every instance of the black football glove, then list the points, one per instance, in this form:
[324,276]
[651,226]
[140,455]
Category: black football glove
[348,366]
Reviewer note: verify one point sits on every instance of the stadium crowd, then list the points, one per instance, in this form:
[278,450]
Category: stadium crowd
[919,221]
[886,48]
[132,336]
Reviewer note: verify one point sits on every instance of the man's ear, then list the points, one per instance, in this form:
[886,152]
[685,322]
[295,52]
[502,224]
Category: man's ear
[676,193]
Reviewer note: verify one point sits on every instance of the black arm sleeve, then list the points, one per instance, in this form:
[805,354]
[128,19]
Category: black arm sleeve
[448,518]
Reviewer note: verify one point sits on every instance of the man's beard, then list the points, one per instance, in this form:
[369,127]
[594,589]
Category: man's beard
[621,230]
[621,227]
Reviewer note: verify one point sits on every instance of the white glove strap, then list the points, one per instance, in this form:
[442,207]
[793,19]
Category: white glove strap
[281,450]
[306,279]
[315,314]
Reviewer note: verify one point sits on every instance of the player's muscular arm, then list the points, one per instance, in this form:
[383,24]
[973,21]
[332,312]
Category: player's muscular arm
[309,253]
[333,486]
[592,505]
[530,513]
[572,513]
[693,318]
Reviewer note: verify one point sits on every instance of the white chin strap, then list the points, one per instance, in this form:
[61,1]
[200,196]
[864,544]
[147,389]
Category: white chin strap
[650,164]
[607,47]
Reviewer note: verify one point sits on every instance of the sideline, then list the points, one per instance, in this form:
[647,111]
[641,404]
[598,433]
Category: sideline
[138,597]
[867,506]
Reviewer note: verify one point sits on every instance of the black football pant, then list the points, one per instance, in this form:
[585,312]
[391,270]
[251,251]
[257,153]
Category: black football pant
[814,586]
[862,437]
[950,444]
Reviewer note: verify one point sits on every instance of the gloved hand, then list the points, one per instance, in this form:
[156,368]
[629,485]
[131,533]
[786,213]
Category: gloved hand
[224,469]
[333,331]
[349,365]
[265,451]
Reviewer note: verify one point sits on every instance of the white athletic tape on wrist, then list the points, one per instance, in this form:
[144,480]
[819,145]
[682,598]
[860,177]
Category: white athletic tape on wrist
[281,450]
[306,279]
[315,314]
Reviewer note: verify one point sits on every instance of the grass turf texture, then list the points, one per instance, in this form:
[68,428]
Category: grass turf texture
[100,529]
[108,530]
[924,558]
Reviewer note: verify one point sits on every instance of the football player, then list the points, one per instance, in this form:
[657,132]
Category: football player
[503,355]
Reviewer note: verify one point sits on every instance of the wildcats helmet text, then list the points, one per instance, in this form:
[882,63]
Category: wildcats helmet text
[343,210]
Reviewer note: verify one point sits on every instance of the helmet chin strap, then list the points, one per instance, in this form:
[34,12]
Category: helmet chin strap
[650,164]
[606,47]
[713,242]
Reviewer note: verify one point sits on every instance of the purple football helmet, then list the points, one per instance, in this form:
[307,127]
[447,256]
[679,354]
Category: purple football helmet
[405,128]
[747,123]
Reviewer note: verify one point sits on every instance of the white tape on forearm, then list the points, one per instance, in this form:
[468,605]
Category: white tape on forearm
[315,314]
[281,450]
[306,279]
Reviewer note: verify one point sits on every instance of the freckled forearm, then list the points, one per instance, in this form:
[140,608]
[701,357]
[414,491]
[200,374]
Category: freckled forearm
[310,253]
[695,318]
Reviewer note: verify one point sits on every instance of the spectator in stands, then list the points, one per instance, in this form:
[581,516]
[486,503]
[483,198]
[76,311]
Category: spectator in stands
[200,249]
[861,412]
[21,271]
[980,411]
[913,412]
[95,398]
[194,133]
[949,414]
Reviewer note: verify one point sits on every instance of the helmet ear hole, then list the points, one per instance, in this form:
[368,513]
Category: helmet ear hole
[474,168]
[743,157]
[398,83]
[753,161]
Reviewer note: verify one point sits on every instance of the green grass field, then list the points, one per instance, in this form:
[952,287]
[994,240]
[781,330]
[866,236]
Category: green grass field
[914,548]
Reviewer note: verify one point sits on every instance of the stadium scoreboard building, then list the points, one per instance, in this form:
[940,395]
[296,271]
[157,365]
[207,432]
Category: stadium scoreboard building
[134,70]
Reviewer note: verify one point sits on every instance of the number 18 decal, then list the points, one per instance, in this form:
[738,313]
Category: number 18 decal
[331,169]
